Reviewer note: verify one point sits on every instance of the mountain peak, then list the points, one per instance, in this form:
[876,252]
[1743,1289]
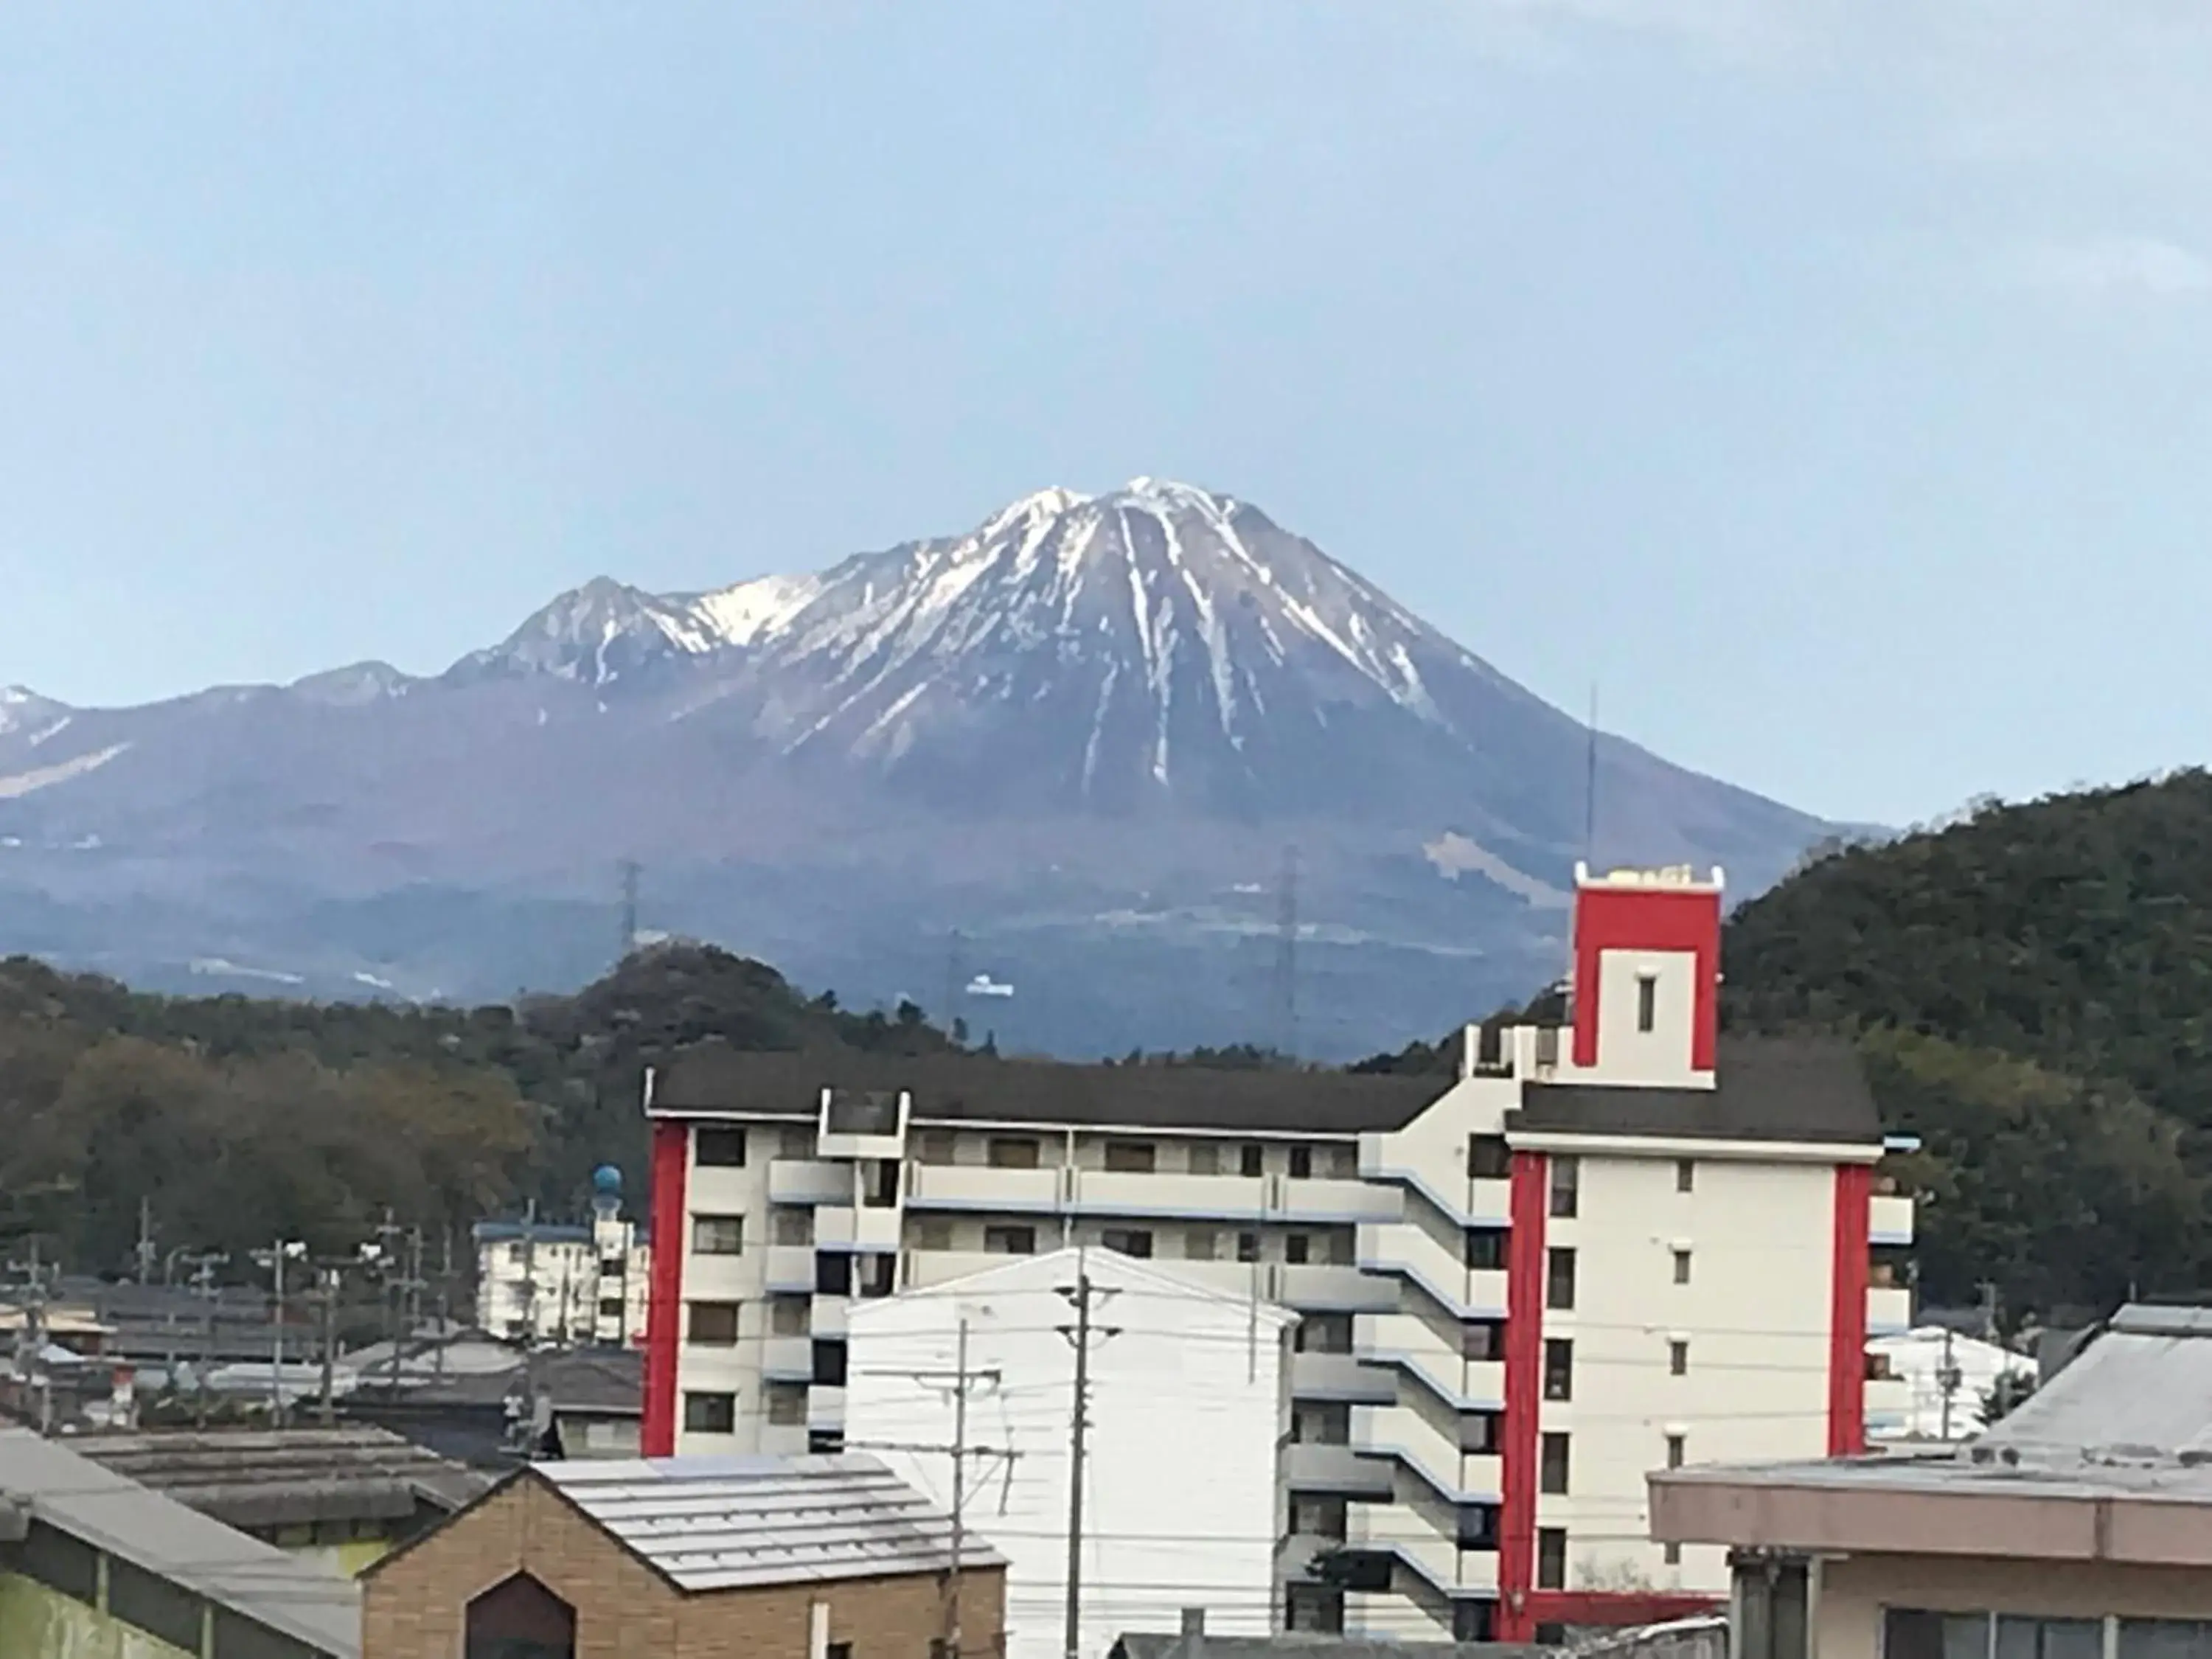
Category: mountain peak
[593,634]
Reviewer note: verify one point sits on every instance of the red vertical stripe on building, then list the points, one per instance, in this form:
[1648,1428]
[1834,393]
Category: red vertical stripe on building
[663,1310]
[1847,1314]
[1524,1390]
[1648,919]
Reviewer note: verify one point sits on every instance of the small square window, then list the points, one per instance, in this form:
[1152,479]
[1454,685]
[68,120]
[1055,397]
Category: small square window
[833,1274]
[1484,1249]
[1251,1161]
[1681,1266]
[1647,1003]
[1198,1245]
[711,1324]
[787,1404]
[1559,1279]
[932,1232]
[1011,1152]
[1302,1164]
[1298,1248]
[1248,1247]
[1558,1367]
[1488,1158]
[1129,1241]
[1010,1240]
[1205,1158]
[1672,1555]
[717,1147]
[1482,1338]
[718,1235]
[1132,1157]
[1686,1174]
[1678,1358]
[790,1316]
[710,1413]
[1676,1446]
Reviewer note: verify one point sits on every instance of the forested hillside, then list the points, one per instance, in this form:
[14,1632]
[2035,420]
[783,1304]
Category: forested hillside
[2032,989]
[238,1121]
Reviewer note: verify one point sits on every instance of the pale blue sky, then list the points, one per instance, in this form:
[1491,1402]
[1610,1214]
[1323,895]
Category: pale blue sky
[1827,378]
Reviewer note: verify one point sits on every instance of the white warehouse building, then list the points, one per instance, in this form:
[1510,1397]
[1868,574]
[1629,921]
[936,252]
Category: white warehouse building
[1188,1406]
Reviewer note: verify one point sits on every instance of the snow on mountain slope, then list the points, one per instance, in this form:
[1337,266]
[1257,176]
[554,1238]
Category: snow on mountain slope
[595,634]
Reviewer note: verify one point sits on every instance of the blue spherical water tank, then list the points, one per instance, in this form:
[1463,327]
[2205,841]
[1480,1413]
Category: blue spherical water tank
[606,1179]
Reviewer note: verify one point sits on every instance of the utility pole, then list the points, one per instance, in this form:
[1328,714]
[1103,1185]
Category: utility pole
[203,1266]
[330,1346]
[1988,1311]
[960,1379]
[1948,1380]
[31,1335]
[146,1252]
[280,1251]
[1085,1298]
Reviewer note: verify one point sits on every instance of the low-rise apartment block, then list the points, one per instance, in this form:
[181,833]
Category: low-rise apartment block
[566,1285]
[1597,1250]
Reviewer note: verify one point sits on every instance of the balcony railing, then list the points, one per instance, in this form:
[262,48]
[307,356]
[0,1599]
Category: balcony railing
[1403,1250]
[809,1181]
[1340,1376]
[789,1267]
[1889,1219]
[838,1227]
[1889,1310]
[1308,1467]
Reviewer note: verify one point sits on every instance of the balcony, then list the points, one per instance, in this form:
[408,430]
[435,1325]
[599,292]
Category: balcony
[826,1318]
[1411,1346]
[983,1187]
[1888,1407]
[1339,1202]
[1309,1468]
[825,1407]
[809,1181]
[1340,1376]
[1315,1288]
[1889,1309]
[858,1124]
[1889,1219]
[791,1268]
[1167,1197]
[1469,1203]
[1402,1434]
[1435,1556]
[787,1359]
[1399,1249]
[842,1227]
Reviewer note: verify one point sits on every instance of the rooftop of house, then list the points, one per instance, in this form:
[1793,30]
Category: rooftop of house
[257,1478]
[45,1483]
[1800,1088]
[708,1524]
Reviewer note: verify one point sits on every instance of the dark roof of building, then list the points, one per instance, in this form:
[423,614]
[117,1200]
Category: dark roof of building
[545,1232]
[261,1479]
[714,1078]
[610,1381]
[1809,1089]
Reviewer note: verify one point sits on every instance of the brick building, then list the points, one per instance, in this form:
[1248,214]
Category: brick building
[806,1558]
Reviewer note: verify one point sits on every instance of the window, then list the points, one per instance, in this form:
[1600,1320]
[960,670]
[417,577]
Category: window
[1205,1158]
[1678,1358]
[934,1147]
[156,1605]
[1550,1558]
[1316,1607]
[612,1266]
[829,1364]
[932,1232]
[1672,1555]
[1343,1246]
[60,1562]
[1010,1240]
[1558,1367]
[1477,1527]
[793,1141]
[2049,1639]
[2164,1639]
[1481,1433]
[710,1413]
[1129,1241]
[1343,1162]
[611,1307]
[1298,1248]
[1013,1152]
[1676,1446]
[1551,1465]
[516,1618]
[787,1404]
[1302,1164]
[1912,1633]
[1566,1186]
[1488,1158]
[718,1235]
[1324,1332]
[1686,1174]
[718,1147]
[710,1324]
[1317,1517]
[1559,1279]
[1248,1247]
[1482,1338]
[1484,1249]
[1198,1245]
[821,1441]
[837,1650]
[790,1316]
[883,1188]
[833,1275]
[878,1275]
[1474,1621]
[1322,1423]
[1251,1161]
[1132,1157]
[1681,1266]
[792,1227]
[1647,1002]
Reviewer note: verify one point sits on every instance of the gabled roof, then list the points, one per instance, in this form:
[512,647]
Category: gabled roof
[1790,1089]
[2141,1387]
[75,1496]
[252,1478]
[954,1089]
[715,1523]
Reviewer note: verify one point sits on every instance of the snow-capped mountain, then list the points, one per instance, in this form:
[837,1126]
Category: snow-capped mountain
[1086,726]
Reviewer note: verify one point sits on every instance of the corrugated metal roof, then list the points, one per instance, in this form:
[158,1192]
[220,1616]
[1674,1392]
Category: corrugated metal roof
[254,1478]
[76,1495]
[2143,1386]
[713,1523]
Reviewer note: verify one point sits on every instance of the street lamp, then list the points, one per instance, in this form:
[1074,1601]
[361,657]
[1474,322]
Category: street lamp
[274,1258]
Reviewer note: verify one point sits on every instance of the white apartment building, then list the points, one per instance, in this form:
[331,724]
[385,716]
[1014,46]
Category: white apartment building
[1189,1408]
[1596,1250]
[566,1285]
